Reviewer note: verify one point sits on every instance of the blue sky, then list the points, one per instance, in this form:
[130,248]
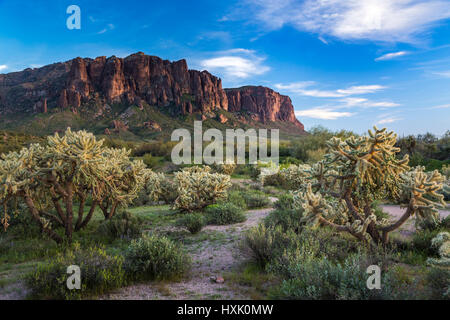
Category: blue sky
[345,64]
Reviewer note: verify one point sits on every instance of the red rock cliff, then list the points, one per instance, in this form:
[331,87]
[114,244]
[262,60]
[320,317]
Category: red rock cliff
[264,102]
[135,79]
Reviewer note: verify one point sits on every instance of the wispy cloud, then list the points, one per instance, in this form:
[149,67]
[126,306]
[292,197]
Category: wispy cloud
[236,63]
[377,20]
[3,67]
[366,103]
[322,113]
[392,55]
[322,39]
[442,106]
[109,27]
[303,88]
[388,120]
[444,74]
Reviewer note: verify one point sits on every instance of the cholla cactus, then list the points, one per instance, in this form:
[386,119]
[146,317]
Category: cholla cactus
[153,186]
[442,243]
[224,168]
[268,169]
[358,171]
[69,169]
[446,171]
[198,188]
[295,176]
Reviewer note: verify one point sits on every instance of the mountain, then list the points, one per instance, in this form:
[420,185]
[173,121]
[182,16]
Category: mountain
[139,93]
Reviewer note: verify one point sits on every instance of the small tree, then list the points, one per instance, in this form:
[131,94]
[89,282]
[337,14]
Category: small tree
[68,170]
[356,172]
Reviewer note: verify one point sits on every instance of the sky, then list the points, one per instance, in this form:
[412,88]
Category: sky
[347,64]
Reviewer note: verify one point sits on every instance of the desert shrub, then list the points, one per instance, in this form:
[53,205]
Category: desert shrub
[254,171]
[422,241]
[123,225]
[193,222]
[286,162]
[275,180]
[154,257]
[315,155]
[235,197]
[307,277]
[445,223]
[266,243]
[224,213]
[149,160]
[21,223]
[287,219]
[284,202]
[438,280]
[255,200]
[100,272]
[198,188]
[428,223]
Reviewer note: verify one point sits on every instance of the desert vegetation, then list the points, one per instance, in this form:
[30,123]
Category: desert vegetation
[307,228]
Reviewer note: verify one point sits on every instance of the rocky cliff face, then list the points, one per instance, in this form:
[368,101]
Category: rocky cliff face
[134,80]
[267,104]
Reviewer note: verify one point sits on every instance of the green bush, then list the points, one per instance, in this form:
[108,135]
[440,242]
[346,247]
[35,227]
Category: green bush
[438,280]
[123,225]
[275,180]
[169,191]
[154,257]
[193,222]
[287,219]
[445,223]
[21,223]
[307,277]
[255,200]
[254,171]
[235,197]
[224,213]
[422,241]
[100,273]
[149,160]
[284,202]
[265,244]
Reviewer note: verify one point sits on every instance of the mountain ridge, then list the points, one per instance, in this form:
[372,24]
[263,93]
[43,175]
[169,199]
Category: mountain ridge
[94,86]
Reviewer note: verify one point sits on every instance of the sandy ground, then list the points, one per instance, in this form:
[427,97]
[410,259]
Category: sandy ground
[210,259]
[408,228]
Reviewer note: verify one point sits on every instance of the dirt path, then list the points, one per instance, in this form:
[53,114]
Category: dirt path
[396,212]
[217,254]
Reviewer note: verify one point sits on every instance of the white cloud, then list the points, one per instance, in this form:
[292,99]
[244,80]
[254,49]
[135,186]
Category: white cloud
[444,74]
[366,103]
[322,113]
[109,27]
[236,63]
[302,89]
[388,120]
[392,55]
[3,67]
[322,39]
[378,20]
[361,89]
[442,106]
